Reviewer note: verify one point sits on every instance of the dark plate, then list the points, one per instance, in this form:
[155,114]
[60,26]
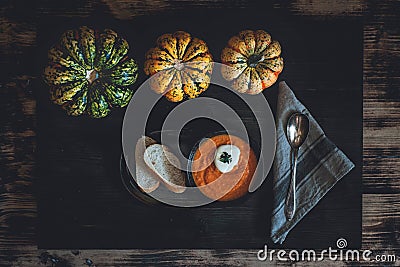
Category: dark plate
[188,150]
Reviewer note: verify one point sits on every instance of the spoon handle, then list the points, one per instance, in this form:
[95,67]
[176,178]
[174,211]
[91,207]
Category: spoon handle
[290,202]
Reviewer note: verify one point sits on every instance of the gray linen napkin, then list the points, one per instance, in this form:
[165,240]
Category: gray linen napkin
[320,166]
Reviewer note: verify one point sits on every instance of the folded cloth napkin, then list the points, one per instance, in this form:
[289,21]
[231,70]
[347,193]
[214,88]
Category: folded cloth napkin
[320,166]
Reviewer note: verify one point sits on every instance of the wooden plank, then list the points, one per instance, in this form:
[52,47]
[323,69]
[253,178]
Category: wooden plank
[329,8]
[381,221]
[381,235]
[17,203]
[381,100]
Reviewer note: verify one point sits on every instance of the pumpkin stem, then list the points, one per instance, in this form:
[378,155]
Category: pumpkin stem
[178,65]
[91,76]
[254,59]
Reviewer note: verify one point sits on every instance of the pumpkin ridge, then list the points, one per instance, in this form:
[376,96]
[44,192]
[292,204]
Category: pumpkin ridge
[195,45]
[191,64]
[248,36]
[255,85]
[240,77]
[237,50]
[181,50]
[111,94]
[118,50]
[83,32]
[152,54]
[59,56]
[116,80]
[197,80]
[69,85]
[275,64]
[80,51]
[80,92]
[234,62]
[263,38]
[201,80]
[188,85]
[205,72]
[66,92]
[65,51]
[173,77]
[170,93]
[61,68]
[57,75]
[269,45]
[153,66]
[186,48]
[167,42]
[70,43]
[267,76]
[80,102]
[101,56]
[244,70]
[166,51]
[159,77]
[98,106]
[273,45]
[232,58]
[204,54]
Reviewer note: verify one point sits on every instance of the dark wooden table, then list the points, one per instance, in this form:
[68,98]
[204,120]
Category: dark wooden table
[381,124]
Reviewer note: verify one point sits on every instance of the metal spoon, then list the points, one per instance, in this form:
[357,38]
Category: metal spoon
[296,132]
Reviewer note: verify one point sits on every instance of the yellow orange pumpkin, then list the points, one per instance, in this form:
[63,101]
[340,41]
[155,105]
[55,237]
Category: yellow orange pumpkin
[181,65]
[251,61]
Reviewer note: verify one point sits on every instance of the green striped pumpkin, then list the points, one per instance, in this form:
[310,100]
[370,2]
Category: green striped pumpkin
[89,72]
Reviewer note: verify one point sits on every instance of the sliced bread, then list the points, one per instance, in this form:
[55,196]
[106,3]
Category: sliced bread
[146,178]
[162,161]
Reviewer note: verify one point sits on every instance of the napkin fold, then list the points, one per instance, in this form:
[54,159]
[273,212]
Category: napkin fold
[320,166]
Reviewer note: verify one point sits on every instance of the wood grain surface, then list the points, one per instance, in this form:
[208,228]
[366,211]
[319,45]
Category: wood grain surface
[381,129]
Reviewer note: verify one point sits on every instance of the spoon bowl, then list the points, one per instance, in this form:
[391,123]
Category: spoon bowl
[297,129]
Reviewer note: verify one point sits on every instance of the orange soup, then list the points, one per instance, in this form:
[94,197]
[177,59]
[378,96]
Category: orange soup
[216,184]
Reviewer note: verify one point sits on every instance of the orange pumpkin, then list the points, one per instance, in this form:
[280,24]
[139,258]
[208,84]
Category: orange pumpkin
[181,65]
[251,61]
